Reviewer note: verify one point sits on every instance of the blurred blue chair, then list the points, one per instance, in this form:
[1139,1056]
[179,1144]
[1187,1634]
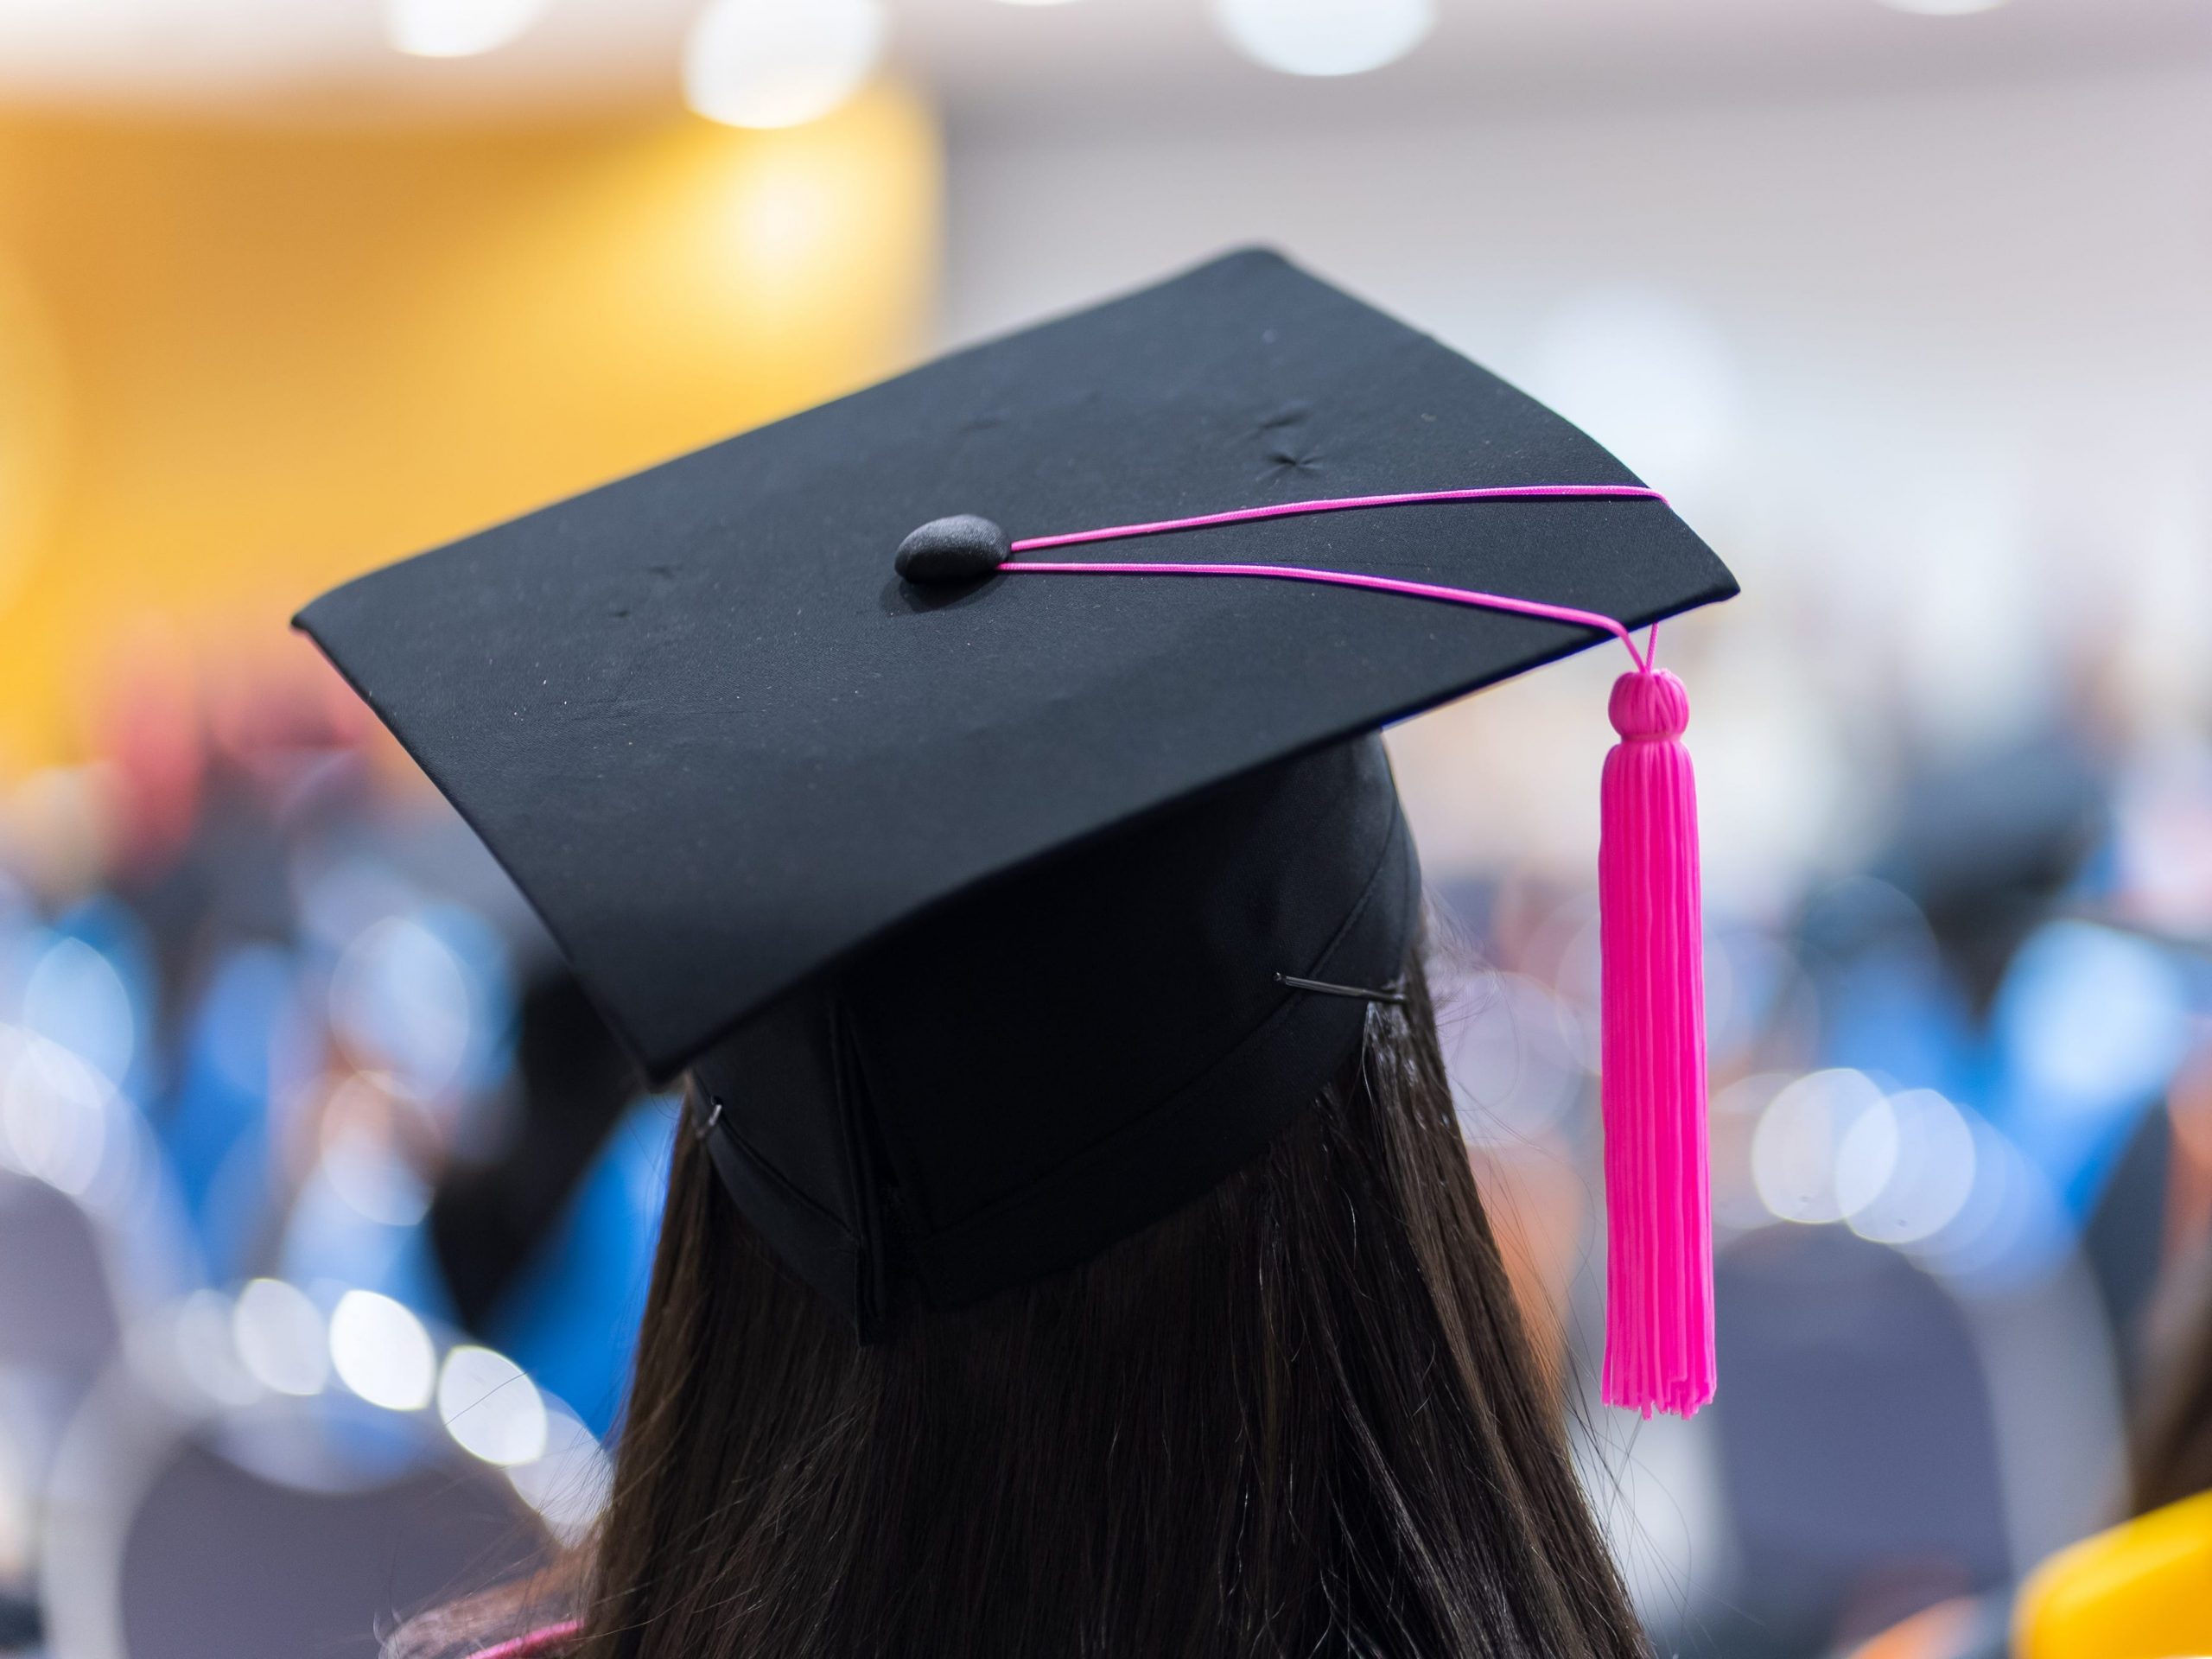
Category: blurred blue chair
[198,1512]
[571,1318]
[1859,1454]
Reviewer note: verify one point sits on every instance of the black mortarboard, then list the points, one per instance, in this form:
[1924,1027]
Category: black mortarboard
[968,902]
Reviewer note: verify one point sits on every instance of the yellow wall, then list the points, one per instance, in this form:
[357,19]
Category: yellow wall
[239,364]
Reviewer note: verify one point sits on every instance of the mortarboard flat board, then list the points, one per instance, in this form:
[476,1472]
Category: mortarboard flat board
[729,753]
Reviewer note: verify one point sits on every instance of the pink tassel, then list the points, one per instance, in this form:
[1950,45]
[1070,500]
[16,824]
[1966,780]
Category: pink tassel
[1659,1336]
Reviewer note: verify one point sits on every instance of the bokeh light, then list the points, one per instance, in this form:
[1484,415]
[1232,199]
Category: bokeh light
[75,995]
[203,1341]
[779,63]
[1906,1168]
[1325,37]
[458,29]
[490,1408]
[278,1334]
[568,1482]
[55,1112]
[381,1351]
[2011,1229]
[1797,1146]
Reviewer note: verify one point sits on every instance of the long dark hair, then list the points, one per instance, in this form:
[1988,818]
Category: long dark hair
[1300,1417]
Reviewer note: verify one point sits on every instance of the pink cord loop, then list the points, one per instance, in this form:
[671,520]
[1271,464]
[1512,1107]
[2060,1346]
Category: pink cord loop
[1429,590]
[1344,503]
[1344,579]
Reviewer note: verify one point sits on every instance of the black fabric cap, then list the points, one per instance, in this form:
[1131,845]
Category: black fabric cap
[768,795]
[1072,1052]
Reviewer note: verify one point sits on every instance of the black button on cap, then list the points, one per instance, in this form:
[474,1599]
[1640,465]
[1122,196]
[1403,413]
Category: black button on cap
[964,548]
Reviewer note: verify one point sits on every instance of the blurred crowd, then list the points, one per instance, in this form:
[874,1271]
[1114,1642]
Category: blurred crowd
[326,1198]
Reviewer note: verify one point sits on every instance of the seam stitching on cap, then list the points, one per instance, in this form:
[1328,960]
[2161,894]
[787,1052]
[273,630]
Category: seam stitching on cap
[782,1183]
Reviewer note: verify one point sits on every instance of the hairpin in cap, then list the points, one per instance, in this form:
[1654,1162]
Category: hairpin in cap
[1322,987]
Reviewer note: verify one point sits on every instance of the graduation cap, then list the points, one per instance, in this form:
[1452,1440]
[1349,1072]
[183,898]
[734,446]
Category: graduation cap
[973,781]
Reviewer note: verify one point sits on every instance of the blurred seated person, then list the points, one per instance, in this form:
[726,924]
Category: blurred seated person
[2142,1589]
[546,1246]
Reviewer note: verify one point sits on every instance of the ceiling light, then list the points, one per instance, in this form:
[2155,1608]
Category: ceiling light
[457,28]
[777,63]
[1325,37]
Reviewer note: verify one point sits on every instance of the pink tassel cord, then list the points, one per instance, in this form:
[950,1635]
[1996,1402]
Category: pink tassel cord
[1659,1317]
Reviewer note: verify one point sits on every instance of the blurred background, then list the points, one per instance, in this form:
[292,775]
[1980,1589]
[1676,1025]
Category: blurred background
[325,1201]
